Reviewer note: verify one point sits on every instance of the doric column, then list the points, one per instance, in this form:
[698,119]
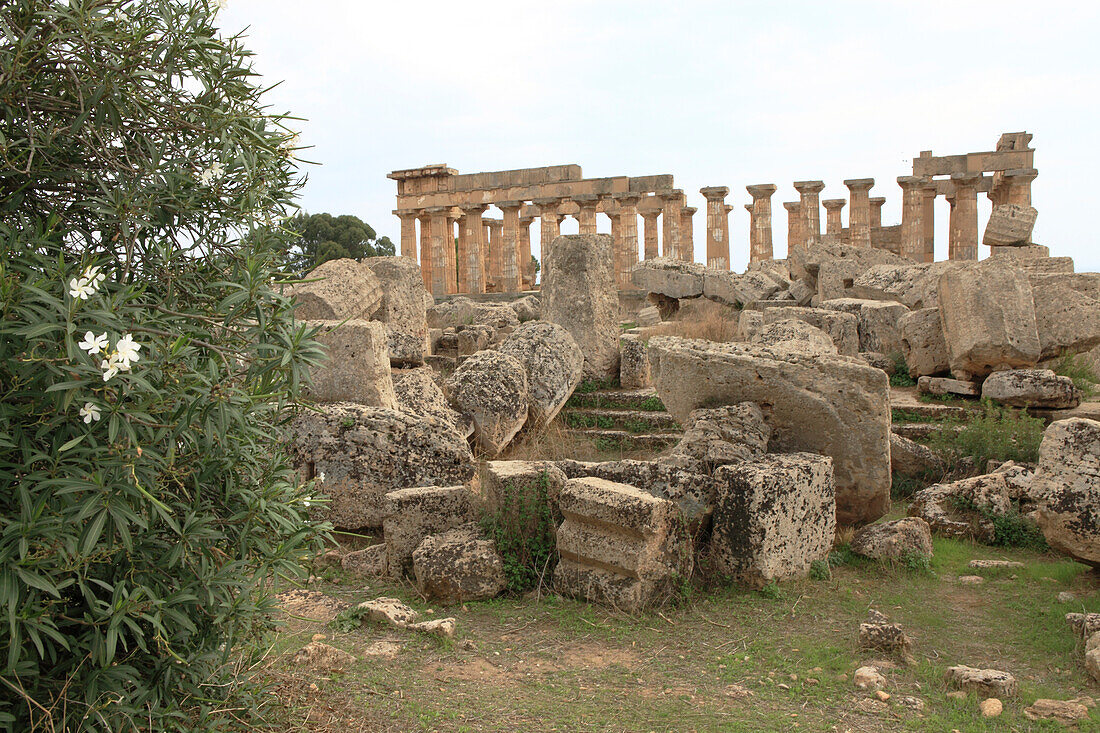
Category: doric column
[687,233]
[586,217]
[426,249]
[627,240]
[496,255]
[408,231]
[718,227]
[794,225]
[449,253]
[1019,185]
[526,268]
[928,219]
[752,228]
[809,194]
[859,211]
[912,217]
[833,223]
[670,222]
[461,252]
[475,236]
[550,227]
[964,217]
[876,203]
[509,247]
[650,229]
[438,235]
[760,244]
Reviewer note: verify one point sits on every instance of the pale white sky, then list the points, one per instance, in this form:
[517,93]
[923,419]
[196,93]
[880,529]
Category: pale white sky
[715,93]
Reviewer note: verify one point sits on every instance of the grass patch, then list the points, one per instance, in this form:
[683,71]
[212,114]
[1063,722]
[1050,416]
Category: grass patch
[524,530]
[996,433]
[901,415]
[1077,368]
[597,385]
[640,426]
[598,401]
[583,420]
[699,319]
[900,377]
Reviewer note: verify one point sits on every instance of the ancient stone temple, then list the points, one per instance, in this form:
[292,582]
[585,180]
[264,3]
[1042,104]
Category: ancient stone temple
[494,254]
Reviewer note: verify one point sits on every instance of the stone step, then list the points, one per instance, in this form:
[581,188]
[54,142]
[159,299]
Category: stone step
[648,441]
[919,430]
[632,421]
[645,400]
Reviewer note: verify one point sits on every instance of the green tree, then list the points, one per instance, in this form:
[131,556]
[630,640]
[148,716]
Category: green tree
[322,237]
[148,364]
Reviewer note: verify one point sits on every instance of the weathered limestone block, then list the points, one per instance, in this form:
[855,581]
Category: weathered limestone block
[729,288]
[722,435]
[358,366]
[506,486]
[794,336]
[749,323]
[620,545]
[527,308]
[910,458]
[692,492]
[458,566]
[669,277]
[1067,311]
[830,405]
[777,270]
[922,342]
[395,613]
[1032,265]
[402,308]
[413,514]
[1068,482]
[553,363]
[1023,251]
[1031,388]
[649,316]
[1010,225]
[884,637]
[963,508]
[843,328]
[323,658]
[832,266]
[988,320]
[802,293]
[366,563]
[580,294]
[462,311]
[983,682]
[877,322]
[344,290]
[773,517]
[1066,712]
[947,386]
[365,452]
[868,678]
[914,286]
[418,394]
[472,339]
[491,389]
[897,540]
[633,363]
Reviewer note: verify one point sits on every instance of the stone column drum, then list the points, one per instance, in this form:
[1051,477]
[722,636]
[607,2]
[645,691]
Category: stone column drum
[687,233]
[426,249]
[833,222]
[1019,185]
[809,197]
[627,232]
[718,227]
[408,232]
[649,219]
[760,245]
[438,228]
[475,236]
[963,244]
[670,221]
[526,267]
[461,251]
[549,227]
[912,220]
[859,210]
[449,253]
[510,263]
[876,203]
[795,239]
[928,219]
[586,217]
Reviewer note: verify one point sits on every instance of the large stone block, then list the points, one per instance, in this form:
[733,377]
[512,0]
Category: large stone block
[897,540]
[988,320]
[1068,485]
[342,289]
[461,311]
[1067,311]
[1009,225]
[620,545]
[963,508]
[365,452]
[580,294]
[358,366]
[553,363]
[773,517]
[721,435]
[915,286]
[668,277]
[520,490]
[633,363]
[491,389]
[922,342]
[843,328]
[794,336]
[413,514]
[419,394]
[458,566]
[806,263]
[730,288]
[877,322]
[1031,388]
[402,308]
[832,405]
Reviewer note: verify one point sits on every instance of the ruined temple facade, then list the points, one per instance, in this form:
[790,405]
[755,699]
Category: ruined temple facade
[461,250]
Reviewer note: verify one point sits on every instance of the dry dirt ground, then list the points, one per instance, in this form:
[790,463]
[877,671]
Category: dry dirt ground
[723,659]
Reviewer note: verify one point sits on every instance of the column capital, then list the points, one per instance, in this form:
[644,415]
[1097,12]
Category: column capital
[673,195]
[715,193]
[585,198]
[1022,175]
[503,205]
[651,214]
[761,190]
[831,204]
[809,186]
[877,200]
[748,208]
[966,180]
[526,219]
[859,184]
[689,210]
[473,208]
[726,208]
[792,206]
[407,213]
[908,182]
[626,199]
[441,209]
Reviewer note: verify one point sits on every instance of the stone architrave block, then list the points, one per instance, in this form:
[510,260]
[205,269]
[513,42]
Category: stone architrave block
[358,366]
[343,289]
[843,328]
[773,517]
[402,308]
[669,277]
[1010,225]
[413,514]
[620,545]
[634,363]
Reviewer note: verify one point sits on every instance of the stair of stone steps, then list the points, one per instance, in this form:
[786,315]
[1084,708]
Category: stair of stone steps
[632,421]
[918,430]
[645,400]
[630,441]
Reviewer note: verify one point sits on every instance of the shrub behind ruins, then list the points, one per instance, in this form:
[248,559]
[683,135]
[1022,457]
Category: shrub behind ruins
[147,361]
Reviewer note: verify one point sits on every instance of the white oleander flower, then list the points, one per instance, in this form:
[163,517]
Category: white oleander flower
[111,366]
[81,288]
[94,344]
[306,501]
[127,351]
[90,413]
[212,173]
[93,275]
[321,477]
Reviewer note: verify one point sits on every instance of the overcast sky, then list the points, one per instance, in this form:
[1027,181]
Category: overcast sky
[715,93]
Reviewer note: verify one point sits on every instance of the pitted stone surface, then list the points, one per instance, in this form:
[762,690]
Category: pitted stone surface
[344,290]
[553,363]
[413,514]
[983,682]
[721,435]
[692,492]
[730,288]
[922,342]
[1031,388]
[1067,311]
[633,363]
[462,311]
[365,452]
[794,336]
[963,508]
[491,389]
[418,394]
[669,277]
[1010,225]
[910,458]
[458,566]
[358,366]
[897,540]
[1067,484]
[877,322]
[842,328]
[832,405]
[402,307]
[947,386]
[773,517]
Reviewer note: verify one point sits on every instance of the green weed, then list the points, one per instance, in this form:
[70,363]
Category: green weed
[900,377]
[523,527]
[820,570]
[1077,368]
[997,433]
